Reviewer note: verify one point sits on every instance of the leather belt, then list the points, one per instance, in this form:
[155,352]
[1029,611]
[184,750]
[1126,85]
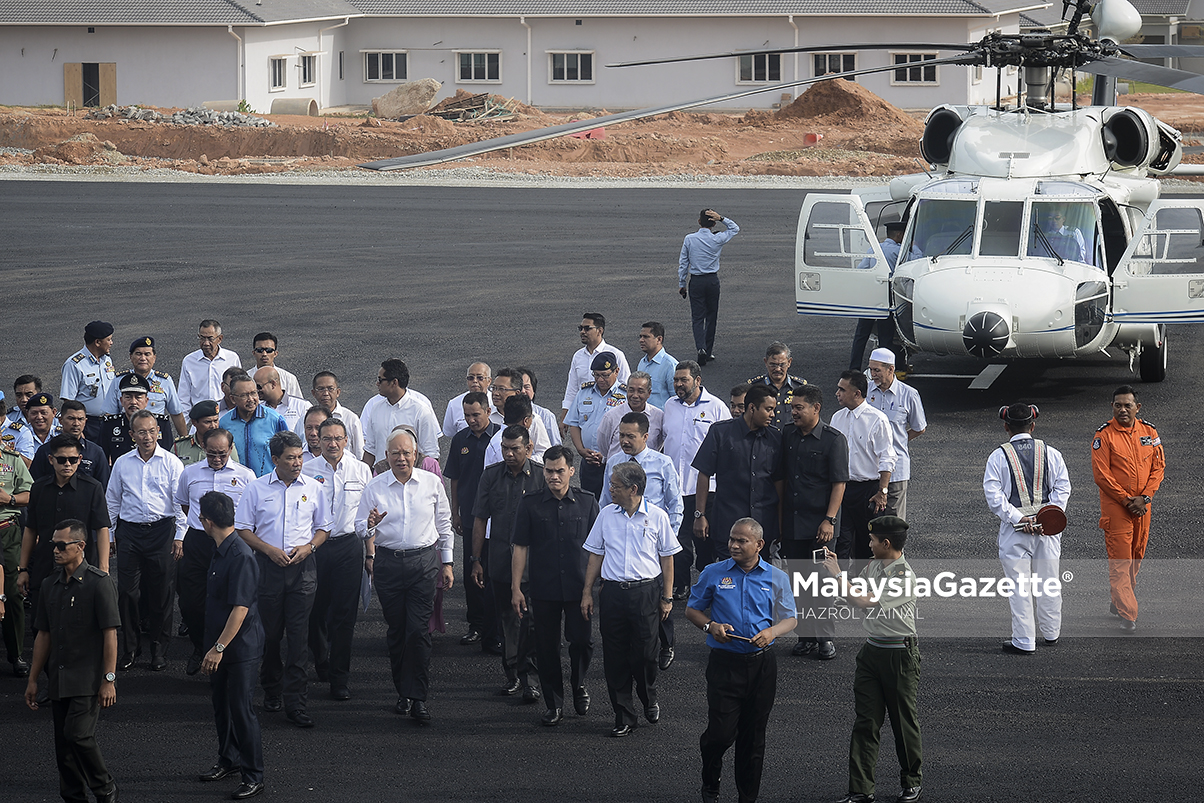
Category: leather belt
[402,553]
[626,584]
[739,656]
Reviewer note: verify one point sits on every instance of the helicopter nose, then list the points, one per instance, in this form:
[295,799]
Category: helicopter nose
[986,334]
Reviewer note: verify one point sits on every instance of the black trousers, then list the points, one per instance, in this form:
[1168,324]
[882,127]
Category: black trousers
[628,619]
[813,622]
[145,568]
[885,327]
[239,743]
[704,309]
[474,596]
[192,574]
[694,553]
[855,516]
[518,635]
[592,477]
[340,564]
[81,766]
[741,689]
[548,615]
[492,634]
[405,583]
[286,597]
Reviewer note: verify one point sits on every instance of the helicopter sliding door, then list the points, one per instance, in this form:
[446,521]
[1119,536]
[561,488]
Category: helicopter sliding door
[1160,278]
[839,267]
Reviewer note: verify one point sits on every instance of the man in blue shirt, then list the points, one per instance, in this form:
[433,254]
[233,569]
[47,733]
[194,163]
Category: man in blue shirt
[750,606]
[252,424]
[891,248]
[699,262]
[657,363]
[585,414]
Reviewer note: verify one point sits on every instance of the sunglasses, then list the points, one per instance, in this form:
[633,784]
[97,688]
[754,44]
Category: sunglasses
[585,328]
[265,350]
[64,460]
[60,546]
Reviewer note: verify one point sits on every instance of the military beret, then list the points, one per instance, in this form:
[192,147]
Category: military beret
[40,400]
[141,343]
[203,409]
[132,383]
[604,362]
[885,525]
[97,330]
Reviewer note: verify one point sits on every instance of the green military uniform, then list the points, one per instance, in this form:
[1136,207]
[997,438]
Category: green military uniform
[189,451]
[781,416]
[14,479]
[887,680]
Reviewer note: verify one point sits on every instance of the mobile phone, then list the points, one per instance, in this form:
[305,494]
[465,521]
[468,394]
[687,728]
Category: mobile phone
[819,555]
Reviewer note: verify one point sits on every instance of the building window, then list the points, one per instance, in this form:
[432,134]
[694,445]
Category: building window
[384,65]
[309,70]
[571,68]
[277,74]
[760,68]
[829,63]
[915,71]
[479,68]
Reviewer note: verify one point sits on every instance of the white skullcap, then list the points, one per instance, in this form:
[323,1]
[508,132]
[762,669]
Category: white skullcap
[883,355]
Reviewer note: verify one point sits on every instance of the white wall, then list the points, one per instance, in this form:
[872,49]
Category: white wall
[292,41]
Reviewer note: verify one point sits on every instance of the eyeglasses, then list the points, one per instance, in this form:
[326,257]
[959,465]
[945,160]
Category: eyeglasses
[64,460]
[778,364]
[207,338]
[333,439]
[326,391]
[60,546]
[585,328]
[501,389]
[601,374]
[264,350]
[142,433]
[217,454]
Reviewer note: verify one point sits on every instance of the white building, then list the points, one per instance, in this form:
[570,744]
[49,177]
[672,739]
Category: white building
[548,53]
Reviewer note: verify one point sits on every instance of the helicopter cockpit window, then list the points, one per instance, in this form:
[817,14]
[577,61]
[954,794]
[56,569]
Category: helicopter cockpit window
[1063,229]
[942,227]
[1001,223]
[1171,245]
[835,238]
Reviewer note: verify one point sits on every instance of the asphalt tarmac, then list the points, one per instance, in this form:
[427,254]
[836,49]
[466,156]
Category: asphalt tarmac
[443,276]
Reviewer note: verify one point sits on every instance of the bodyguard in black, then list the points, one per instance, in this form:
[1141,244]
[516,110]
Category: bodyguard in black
[235,633]
[77,623]
[550,529]
[73,417]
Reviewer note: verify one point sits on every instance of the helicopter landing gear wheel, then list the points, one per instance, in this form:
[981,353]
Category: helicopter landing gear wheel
[1153,359]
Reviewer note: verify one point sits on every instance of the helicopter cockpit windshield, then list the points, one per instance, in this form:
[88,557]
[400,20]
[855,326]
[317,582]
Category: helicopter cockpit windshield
[943,227]
[1065,230]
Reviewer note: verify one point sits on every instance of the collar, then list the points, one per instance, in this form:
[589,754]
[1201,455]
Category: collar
[158,451]
[224,546]
[525,468]
[275,478]
[601,347]
[548,496]
[660,357]
[70,481]
[643,508]
[77,575]
[889,388]
[760,566]
[1021,436]
[393,477]
[702,396]
[860,409]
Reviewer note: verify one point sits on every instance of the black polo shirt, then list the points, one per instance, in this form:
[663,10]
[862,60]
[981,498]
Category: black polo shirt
[234,581]
[814,462]
[498,495]
[554,530]
[92,461]
[465,462]
[76,610]
[745,465]
[81,498]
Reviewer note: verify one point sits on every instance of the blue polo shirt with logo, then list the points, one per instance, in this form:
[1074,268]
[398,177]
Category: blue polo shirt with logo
[749,602]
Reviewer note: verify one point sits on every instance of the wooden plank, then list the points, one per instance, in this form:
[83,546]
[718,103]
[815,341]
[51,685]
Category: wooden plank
[108,84]
[73,84]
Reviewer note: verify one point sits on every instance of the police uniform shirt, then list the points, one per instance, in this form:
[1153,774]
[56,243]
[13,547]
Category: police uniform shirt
[661,368]
[663,488]
[748,601]
[75,611]
[15,414]
[465,462]
[632,546]
[580,373]
[14,479]
[379,418]
[344,484]
[871,445]
[554,531]
[80,498]
[498,495]
[117,440]
[92,461]
[781,415]
[234,582]
[745,465]
[161,398]
[814,463]
[190,451]
[901,405]
[897,618]
[608,430]
[11,430]
[28,442]
[418,513]
[144,491]
[201,378]
[686,426]
[198,479]
[87,379]
[283,516]
[589,407]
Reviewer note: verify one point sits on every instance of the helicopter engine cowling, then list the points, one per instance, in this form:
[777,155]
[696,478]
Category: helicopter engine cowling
[1131,138]
[936,145]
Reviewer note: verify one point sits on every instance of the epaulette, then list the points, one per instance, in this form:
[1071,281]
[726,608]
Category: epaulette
[15,425]
[162,374]
[95,570]
[798,380]
[1149,424]
[183,438]
[112,416]
[14,453]
[756,379]
[1104,426]
[585,385]
[621,386]
[77,357]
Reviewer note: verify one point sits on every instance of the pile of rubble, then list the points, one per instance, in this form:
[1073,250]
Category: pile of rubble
[193,116]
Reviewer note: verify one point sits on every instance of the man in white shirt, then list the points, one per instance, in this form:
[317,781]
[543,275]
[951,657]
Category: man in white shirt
[688,417]
[872,457]
[397,403]
[292,408]
[149,531]
[408,517]
[341,561]
[478,379]
[902,406]
[217,472]
[639,389]
[326,392]
[284,517]
[631,547]
[201,371]
[546,417]
[267,350]
[518,411]
[592,327]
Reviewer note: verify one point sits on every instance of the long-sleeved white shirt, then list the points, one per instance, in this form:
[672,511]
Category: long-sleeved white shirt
[379,418]
[201,378]
[344,484]
[144,491]
[997,483]
[871,443]
[417,513]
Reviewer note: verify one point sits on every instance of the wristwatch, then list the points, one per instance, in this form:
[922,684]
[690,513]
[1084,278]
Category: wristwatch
[698,514]
[111,677]
[707,627]
[831,520]
[219,648]
[667,599]
[3,597]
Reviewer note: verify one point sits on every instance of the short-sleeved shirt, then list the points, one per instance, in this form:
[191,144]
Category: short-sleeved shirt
[28,442]
[663,487]
[748,601]
[901,405]
[589,406]
[14,479]
[161,398]
[896,619]
[87,379]
[233,582]
[781,415]
[813,464]
[198,479]
[554,531]
[190,451]
[252,437]
[81,498]
[661,368]
[498,495]
[92,461]
[465,462]
[745,465]
[76,610]
[632,546]
[283,516]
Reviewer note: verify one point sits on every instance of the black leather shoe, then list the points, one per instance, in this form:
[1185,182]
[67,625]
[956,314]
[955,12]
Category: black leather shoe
[653,713]
[681,593]
[111,797]
[827,651]
[340,693]
[665,659]
[552,717]
[419,713]
[702,360]
[581,700]
[246,790]
[1012,649]
[471,637]
[531,694]
[492,647]
[857,798]
[1049,642]
[403,706]
[273,704]
[912,793]
[1127,626]
[216,773]
[20,668]
[619,731]
[194,664]
[511,688]
[710,795]
[300,718]
[126,662]
[158,662]
[804,648]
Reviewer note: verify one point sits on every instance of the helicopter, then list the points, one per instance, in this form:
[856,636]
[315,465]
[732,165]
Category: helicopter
[1037,232]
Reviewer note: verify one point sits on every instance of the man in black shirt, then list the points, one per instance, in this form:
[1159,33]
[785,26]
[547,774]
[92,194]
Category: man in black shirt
[73,417]
[550,528]
[115,429]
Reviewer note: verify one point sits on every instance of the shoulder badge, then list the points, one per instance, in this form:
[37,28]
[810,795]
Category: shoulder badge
[1095,444]
[97,571]
[1149,424]
[161,374]
[1104,426]
[77,357]
[585,385]
[6,450]
[756,379]
[798,380]
[112,416]
[15,425]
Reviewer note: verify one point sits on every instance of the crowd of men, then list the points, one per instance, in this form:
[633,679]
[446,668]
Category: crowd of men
[644,478]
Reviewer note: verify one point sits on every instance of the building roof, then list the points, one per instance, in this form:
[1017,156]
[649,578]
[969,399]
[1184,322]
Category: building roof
[169,12]
[1161,8]
[1050,17]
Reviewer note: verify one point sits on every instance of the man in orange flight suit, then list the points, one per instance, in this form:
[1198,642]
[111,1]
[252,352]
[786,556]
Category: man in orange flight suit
[1128,463]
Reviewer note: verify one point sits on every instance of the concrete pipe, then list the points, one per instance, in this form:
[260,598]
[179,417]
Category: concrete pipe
[221,105]
[303,106]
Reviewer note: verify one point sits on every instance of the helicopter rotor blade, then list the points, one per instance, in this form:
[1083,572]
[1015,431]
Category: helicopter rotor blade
[807,49]
[1163,51]
[1146,73]
[542,134]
